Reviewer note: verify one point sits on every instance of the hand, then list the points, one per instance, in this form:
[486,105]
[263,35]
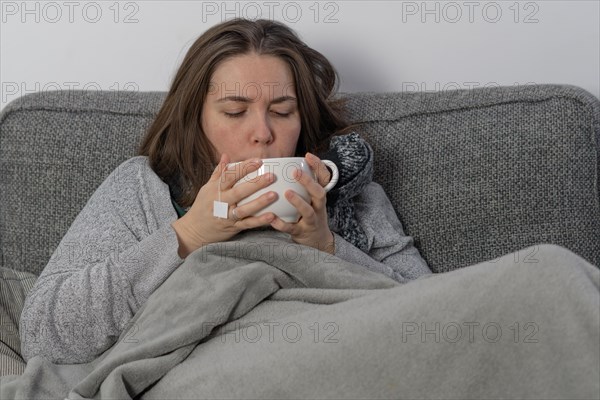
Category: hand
[312,229]
[319,168]
[199,226]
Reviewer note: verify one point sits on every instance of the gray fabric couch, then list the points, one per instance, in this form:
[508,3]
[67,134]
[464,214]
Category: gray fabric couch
[472,174]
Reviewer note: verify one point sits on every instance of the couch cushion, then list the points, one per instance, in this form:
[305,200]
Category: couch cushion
[473,174]
[477,174]
[55,150]
[14,287]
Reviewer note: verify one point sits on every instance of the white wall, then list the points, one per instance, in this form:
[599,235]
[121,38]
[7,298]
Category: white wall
[375,45]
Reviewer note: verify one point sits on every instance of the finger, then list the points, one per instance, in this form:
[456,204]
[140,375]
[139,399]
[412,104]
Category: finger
[319,169]
[218,171]
[306,210]
[255,205]
[282,226]
[255,222]
[234,172]
[316,192]
[234,214]
[246,188]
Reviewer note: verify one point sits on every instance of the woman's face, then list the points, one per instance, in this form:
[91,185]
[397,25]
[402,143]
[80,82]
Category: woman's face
[251,110]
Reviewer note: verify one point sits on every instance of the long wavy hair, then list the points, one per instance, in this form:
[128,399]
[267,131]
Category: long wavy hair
[179,151]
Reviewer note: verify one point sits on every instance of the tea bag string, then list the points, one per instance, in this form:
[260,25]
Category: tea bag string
[219,192]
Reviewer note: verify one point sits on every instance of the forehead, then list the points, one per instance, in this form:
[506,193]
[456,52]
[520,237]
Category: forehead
[252,75]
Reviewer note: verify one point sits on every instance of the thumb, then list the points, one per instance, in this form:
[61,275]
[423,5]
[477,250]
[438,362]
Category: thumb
[319,168]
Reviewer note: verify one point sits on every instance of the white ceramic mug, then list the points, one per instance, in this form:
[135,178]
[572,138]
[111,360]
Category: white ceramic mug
[283,169]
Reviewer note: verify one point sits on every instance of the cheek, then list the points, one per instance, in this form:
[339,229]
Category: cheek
[214,126]
[215,133]
[219,137]
[206,124]
[297,129]
[293,135]
[290,127]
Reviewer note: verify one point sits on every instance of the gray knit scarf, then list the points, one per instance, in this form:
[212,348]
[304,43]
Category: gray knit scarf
[354,159]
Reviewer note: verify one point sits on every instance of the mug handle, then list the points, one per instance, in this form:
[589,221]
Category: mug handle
[335,175]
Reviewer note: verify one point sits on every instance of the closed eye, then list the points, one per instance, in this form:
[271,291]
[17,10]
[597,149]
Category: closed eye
[234,115]
[239,114]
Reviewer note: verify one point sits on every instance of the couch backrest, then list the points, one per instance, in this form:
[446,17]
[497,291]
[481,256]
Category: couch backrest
[472,174]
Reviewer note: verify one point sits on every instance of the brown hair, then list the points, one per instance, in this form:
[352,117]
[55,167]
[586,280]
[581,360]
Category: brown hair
[177,148]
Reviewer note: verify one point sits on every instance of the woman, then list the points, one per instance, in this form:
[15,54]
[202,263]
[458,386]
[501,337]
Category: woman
[246,90]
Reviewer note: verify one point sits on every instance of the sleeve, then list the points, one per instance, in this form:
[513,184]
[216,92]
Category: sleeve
[117,251]
[391,252]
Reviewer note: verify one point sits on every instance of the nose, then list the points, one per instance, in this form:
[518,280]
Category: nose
[261,132]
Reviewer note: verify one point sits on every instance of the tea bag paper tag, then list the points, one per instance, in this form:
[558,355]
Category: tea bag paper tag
[220,209]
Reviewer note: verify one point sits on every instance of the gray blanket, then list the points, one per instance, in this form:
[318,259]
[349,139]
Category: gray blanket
[264,318]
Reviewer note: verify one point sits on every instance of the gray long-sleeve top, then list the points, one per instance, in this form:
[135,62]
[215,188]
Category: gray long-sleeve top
[121,247]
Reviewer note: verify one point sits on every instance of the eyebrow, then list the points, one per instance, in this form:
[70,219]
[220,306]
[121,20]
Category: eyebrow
[241,99]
